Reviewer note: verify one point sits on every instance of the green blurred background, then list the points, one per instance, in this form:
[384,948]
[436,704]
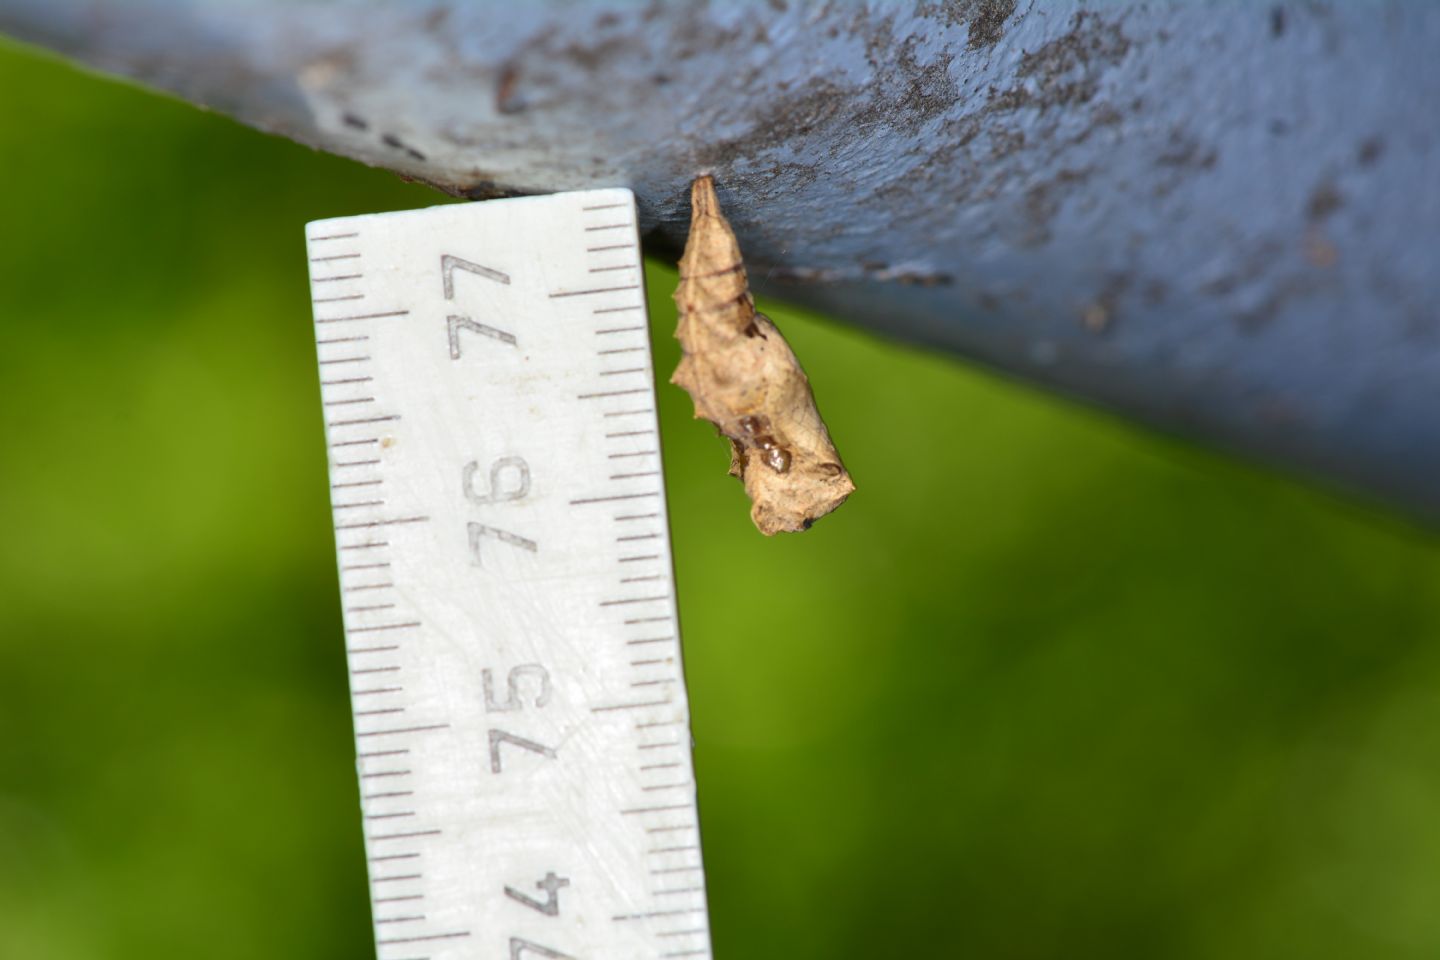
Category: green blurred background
[1046,687]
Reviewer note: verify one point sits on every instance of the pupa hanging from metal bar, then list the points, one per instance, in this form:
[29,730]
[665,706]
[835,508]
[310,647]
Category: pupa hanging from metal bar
[745,379]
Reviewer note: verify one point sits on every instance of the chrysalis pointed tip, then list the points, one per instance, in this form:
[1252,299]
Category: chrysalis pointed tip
[703,202]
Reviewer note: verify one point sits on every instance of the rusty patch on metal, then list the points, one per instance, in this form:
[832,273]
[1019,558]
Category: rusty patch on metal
[984,18]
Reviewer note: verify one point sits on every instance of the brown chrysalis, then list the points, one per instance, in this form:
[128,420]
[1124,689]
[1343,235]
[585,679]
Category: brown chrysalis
[745,379]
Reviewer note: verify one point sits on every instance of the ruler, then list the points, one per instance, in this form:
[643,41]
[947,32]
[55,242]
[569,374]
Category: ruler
[521,725]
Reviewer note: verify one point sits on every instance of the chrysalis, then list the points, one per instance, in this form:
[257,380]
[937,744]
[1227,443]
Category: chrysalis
[744,378]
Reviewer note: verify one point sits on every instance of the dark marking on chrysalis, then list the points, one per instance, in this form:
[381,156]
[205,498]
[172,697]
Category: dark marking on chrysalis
[777,459]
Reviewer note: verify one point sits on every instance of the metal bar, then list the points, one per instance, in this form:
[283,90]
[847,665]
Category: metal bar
[1220,218]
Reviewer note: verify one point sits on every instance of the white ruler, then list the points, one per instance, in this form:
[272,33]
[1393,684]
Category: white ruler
[520,714]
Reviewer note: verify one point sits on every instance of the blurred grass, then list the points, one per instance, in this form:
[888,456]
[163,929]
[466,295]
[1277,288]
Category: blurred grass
[1045,687]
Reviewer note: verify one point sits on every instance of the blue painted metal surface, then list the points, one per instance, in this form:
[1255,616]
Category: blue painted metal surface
[1220,218]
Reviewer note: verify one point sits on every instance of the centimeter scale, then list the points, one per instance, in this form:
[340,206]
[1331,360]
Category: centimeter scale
[521,723]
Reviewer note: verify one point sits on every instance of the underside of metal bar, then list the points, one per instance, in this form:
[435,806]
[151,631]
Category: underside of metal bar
[1222,219]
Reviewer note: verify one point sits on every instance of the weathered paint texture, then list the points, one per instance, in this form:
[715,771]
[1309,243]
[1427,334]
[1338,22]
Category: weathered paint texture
[1221,218]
